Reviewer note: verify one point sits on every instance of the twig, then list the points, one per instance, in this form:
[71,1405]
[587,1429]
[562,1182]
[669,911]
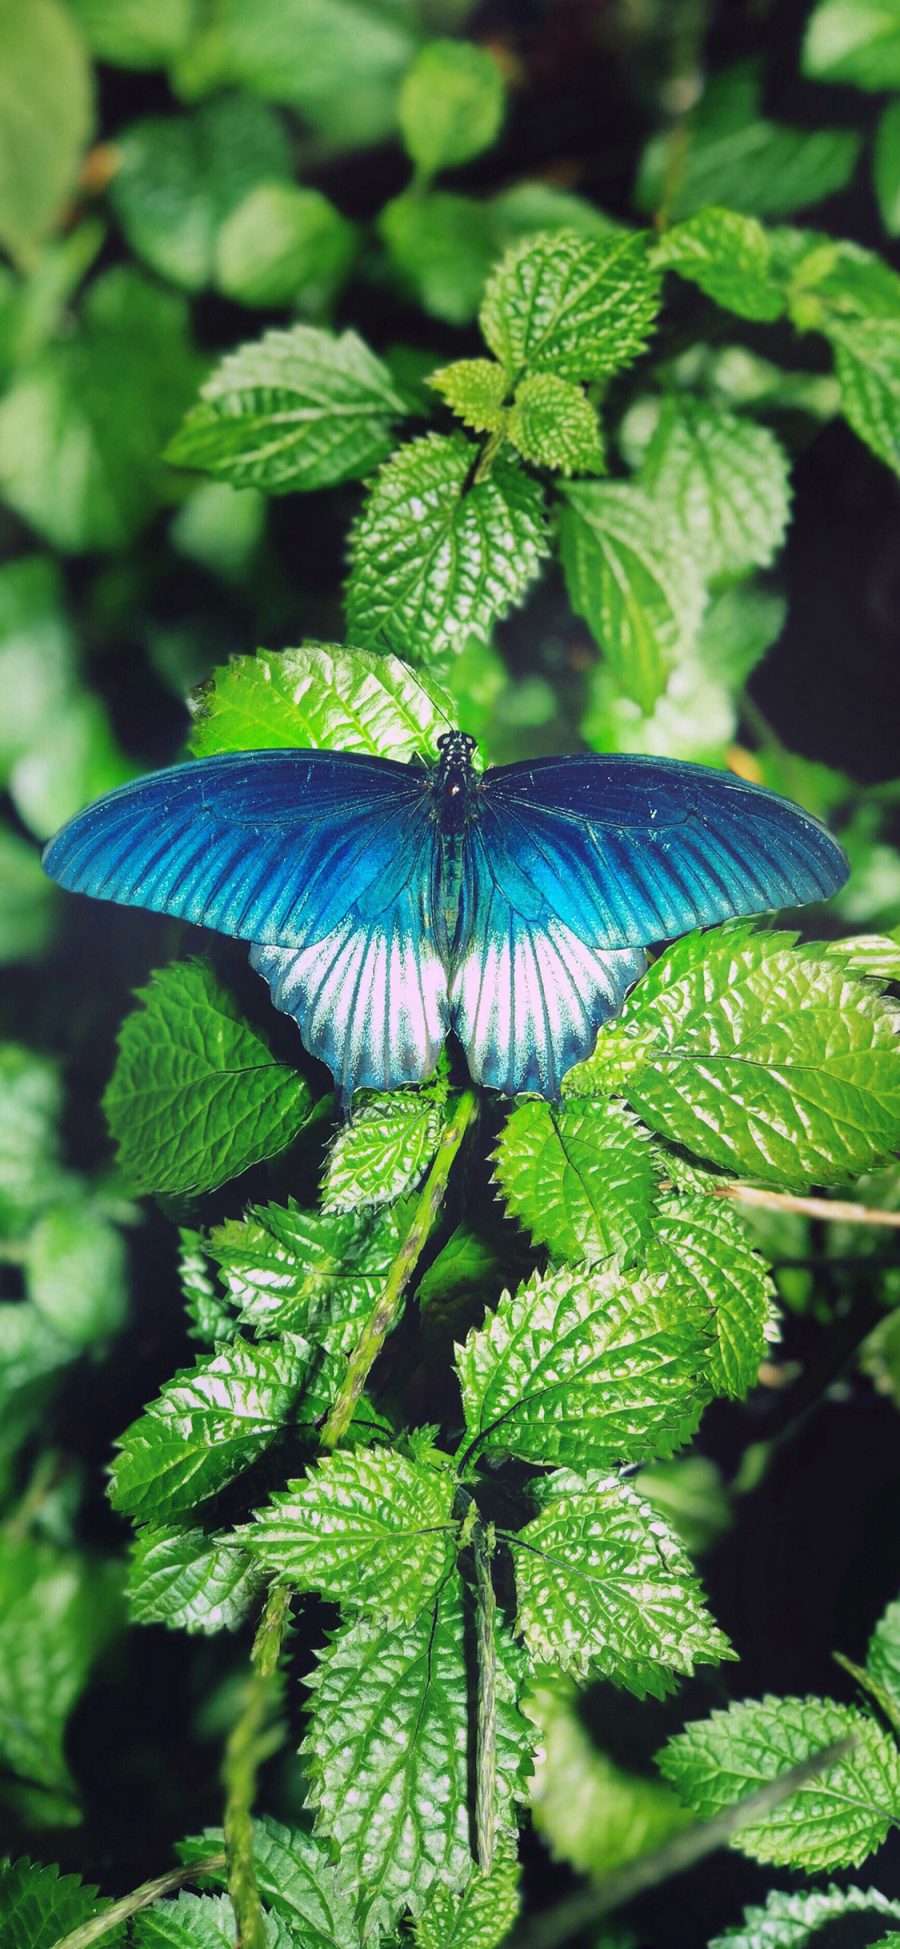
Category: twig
[386,1310]
[249,1743]
[128,1905]
[486,1739]
[831,1209]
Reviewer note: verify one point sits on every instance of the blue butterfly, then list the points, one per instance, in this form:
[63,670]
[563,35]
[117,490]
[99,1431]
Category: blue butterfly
[388,903]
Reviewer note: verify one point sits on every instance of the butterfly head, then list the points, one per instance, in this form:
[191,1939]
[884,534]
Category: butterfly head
[454,783]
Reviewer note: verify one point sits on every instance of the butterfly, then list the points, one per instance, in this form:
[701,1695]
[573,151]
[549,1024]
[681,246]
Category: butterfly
[390,903]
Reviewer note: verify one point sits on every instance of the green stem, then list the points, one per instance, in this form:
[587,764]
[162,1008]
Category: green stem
[249,1743]
[121,1911]
[386,1310]
[483,1543]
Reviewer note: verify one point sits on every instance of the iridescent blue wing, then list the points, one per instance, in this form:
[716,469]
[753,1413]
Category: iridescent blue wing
[325,860]
[575,865]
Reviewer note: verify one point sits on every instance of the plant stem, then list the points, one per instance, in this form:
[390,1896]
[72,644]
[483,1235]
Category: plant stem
[828,1208]
[483,1544]
[249,1743]
[121,1911]
[386,1310]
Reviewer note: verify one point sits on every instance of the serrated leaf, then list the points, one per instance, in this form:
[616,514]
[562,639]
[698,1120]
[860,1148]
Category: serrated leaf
[383,1152]
[441,248]
[38,1906]
[196,1096]
[451,105]
[724,481]
[886,167]
[46,113]
[856,41]
[294,410]
[435,559]
[388,1751]
[629,575]
[833,1821]
[867,359]
[883,1654]
[582,1369]
[76,1273]
[701,1244]
[580,1184]
[58,1612]
[877,955]
[759,1055]
[795,1921]
[553,424]
[323,696]
[206,1426]
[576,306]
[190,1581]
[591,1811]
[288,1270]
[368,1527]
[603,1586]
[728,256]
[294,1878]
[481,1917]
[210,1314]
[474,389]
[192,1922]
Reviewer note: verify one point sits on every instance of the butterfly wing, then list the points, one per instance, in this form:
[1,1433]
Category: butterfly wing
[324,860]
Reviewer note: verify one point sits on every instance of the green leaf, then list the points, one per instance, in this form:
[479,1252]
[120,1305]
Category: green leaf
[135,33]
[46,115]
[604,1587]
[535,205]
[867,358]
[306,1271]
[285,245]
[739,626]
[383,1152]
[32,1358]
[76,760]
[758,1055]
[580,1184]
[441,248]
[702,1246]
[576,306]
[207,1426]
[180,177]
[883,1654]
[28,902]
[481,1917]
[83,424]
[321,696]
[435,559]
[628,573]
[37,655]
[76,1273]
[38,1906]
[856,41]
[727,255]
[886,167]
[58,1611]
[196,1096]
[877,955]
[591,1812]
[368,1527]
[838,1817]
[388,1752]
[553,424]
[475,390]
[221,528]
[292,411]
[725,483]
[736,158]
[795,1921]
[190,1922]
[451,105]
[690,1494]
[209,1313]
[31,1103]
[294,1878]
[190,1581]
[584,1370]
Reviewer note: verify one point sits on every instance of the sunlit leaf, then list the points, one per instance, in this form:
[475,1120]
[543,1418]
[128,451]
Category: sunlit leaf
[580,1182]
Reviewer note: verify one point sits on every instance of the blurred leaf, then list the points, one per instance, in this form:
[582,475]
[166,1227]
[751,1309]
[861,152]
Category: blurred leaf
[323,696]
[196,1095]
[724,482]
[37,660]
[592,1812]
[30,1114]
[581,1184]
[690,1494]
[553,424]
[76,1273]
[292,411]
[180,177]
[800,1921]
[209,1423]
[369,1528]
[856,41]
[284,245]
[77,758]
[629,575]
[190,1581]
[838,1817]
[32,1358]
[575,306]
[58,1611]
[886,166]
[82,427]
[582,1369]
[759,1055]
[294,1878]
[28,903]
[46,115]
[451,105]
[727,255]
[220,527]
[603,1587]
[474,389]
[442,247]
[739,626]
[481,1916]
[383,1152]
[38,1906]
[135,33]
[698,1242]
[867,357]
[306,1271]
[434,558]
[527,207]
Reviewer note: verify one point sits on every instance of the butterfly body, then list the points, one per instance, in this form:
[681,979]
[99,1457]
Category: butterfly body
[388,904]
